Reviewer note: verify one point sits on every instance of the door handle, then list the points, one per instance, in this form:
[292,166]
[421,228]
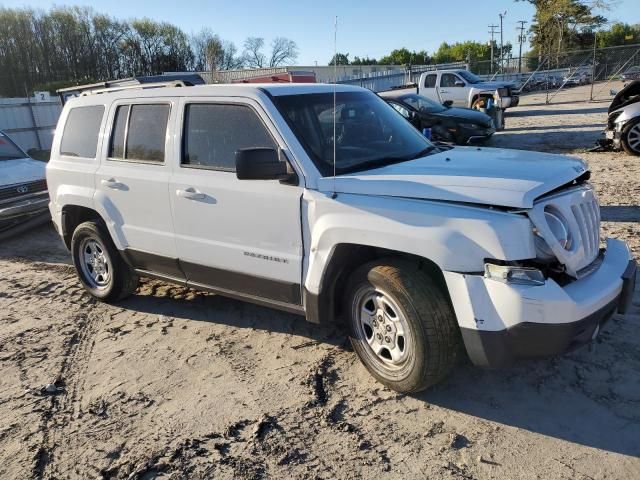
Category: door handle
[444,91]
[112,183]
[190,194]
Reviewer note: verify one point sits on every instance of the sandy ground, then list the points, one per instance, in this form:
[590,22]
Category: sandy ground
[177,384]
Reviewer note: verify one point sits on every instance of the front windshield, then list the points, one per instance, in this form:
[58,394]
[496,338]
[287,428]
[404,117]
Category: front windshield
[369,133]
[9,150]
[423,104]
[469,77]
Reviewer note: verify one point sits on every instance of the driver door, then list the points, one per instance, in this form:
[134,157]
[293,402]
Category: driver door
[452,87]
[234,236]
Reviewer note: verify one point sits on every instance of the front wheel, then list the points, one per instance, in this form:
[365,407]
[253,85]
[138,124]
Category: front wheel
[630,138]
[100,267]
[401,324]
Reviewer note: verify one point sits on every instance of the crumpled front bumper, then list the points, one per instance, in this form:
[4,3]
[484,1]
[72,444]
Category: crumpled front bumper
[501,323]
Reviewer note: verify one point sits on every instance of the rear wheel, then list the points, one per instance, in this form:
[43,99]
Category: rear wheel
[630,137]
[100,267]
[401,325]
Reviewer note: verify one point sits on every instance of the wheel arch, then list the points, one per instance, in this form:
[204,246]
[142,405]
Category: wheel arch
[326,305]
[74,215]
[478,95]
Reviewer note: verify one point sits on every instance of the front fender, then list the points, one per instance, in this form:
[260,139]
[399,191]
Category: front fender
[455,237]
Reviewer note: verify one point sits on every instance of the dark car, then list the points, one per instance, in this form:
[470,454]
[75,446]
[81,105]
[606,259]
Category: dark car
[632,73]
[447,124]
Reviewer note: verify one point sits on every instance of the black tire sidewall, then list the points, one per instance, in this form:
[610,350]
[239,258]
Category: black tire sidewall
[98,232]
[625,133]
[411,377]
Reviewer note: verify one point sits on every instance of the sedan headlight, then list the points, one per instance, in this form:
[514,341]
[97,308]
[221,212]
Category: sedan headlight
[514,275]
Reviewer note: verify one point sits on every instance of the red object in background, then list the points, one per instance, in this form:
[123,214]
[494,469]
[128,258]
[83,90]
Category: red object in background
[284,77]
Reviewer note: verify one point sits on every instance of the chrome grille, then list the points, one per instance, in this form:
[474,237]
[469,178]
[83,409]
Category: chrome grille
[579,206]
[20,189]
[587,215]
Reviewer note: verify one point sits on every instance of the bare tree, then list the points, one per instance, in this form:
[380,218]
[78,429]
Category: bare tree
[283,51]
[253,56]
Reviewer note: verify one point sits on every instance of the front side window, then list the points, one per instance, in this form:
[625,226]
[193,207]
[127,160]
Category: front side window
[145,129]
[449,80]
[81,130]
[214,132]
[369,133]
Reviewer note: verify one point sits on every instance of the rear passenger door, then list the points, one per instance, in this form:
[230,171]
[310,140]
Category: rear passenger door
[132,183]
[239,236]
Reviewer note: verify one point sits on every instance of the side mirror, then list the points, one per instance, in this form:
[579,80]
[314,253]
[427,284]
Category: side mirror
[448,103]
[261,164]
[459,83]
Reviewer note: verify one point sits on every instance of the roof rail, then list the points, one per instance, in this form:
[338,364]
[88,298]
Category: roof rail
[176,83]
[153,81]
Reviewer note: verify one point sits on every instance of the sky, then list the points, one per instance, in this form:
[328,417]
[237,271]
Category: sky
[365,27]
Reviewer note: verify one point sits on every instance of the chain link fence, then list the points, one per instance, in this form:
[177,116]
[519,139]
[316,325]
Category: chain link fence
[557,74]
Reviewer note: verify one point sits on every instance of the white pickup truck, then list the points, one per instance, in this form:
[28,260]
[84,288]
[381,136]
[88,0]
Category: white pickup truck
[418,249]
[464,89]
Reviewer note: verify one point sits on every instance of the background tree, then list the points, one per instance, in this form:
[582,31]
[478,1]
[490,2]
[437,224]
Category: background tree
[253,56]
[283,52]
[403,56]
[561,25]
[339,59]
[364,61]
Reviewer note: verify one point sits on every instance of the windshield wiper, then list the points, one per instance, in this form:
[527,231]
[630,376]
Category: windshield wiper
[422,152]
[384,161]
[375,163]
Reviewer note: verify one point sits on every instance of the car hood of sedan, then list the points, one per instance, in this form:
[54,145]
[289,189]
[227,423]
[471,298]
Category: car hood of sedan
[22,170]
[486,176]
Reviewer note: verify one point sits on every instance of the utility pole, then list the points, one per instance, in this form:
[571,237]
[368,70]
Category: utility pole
[492,32]
[521,40]
[502,15]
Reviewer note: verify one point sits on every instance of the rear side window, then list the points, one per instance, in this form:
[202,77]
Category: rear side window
[9,150]
[80,135]
[213,134]
[139,133]
[430,81]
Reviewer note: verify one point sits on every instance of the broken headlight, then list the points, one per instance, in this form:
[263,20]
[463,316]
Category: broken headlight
[514,274]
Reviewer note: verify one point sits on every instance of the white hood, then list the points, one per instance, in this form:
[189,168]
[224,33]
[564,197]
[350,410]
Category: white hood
[489,176]
[22,170]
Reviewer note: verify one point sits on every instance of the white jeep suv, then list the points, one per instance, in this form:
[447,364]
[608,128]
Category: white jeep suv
[418,249]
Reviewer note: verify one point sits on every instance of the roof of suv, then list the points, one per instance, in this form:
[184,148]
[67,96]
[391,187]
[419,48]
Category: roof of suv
[236,89]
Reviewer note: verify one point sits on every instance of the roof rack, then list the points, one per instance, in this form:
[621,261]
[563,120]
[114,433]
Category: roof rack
[156,81]
[176,83]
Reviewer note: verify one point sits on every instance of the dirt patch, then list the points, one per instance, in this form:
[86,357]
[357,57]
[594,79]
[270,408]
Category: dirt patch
[175,383]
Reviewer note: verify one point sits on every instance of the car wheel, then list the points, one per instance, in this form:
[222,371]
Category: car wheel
[401,324]
[630,137]
[101,269]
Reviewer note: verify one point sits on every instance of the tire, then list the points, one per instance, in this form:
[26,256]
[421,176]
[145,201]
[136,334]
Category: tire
[101,270]
[401,324]
[630,138]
